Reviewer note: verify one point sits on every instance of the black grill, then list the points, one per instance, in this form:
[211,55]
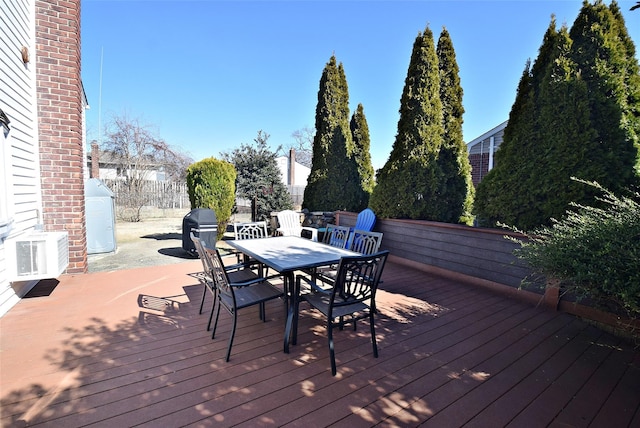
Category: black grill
[204,224]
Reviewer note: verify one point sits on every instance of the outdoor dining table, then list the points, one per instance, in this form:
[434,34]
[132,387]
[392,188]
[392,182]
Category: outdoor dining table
[286,255]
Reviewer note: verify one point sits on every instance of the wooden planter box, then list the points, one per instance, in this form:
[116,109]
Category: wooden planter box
[477,256]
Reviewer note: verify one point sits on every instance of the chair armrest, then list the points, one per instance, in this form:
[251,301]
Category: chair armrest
[234,267]
[248,282]
[313,285]
[314,232]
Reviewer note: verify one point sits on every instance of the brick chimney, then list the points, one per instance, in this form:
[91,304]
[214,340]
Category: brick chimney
[59,98]
[292,167]
[95,160]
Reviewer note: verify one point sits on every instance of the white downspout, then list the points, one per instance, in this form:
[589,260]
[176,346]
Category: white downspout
[491,146]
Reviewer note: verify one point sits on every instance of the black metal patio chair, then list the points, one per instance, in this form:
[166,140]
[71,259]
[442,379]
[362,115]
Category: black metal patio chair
[204,276]
[251,230]
[352,296]
[336,236]
[364,242]
[234,296]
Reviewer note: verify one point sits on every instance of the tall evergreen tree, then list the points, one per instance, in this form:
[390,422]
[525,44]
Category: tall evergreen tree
[407,184]
[580,109]
[362,144]
[631,110]
[501,195]
[606,58]
[565,126]
[518,191]
[456,190]
[601,48]
[333,182]
[259,178]
[494,199]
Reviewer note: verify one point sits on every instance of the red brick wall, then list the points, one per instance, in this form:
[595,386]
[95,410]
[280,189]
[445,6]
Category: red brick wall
[95,160]
[59,93]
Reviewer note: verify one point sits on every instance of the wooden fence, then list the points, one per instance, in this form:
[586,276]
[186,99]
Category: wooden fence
[174,195]
[158,194]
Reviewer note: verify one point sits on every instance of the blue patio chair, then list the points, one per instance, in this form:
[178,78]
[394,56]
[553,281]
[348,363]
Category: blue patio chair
[366,220]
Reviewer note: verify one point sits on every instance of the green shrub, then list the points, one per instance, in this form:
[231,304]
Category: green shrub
[595,252]
[211,184]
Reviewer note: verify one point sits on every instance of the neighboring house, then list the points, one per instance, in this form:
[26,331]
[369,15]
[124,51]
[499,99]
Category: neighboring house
[294,176]
[292,172]
[481,152]
[108,168]
[42,145]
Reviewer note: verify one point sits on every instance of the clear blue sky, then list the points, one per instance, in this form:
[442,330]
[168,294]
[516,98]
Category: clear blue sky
[208,75]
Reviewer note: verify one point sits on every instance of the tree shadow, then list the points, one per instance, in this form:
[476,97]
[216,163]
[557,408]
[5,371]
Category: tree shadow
[155,360]
[101,352]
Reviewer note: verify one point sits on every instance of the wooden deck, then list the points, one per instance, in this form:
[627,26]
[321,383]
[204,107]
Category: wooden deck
[128,348]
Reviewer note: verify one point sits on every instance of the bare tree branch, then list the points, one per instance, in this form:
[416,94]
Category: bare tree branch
[137,154]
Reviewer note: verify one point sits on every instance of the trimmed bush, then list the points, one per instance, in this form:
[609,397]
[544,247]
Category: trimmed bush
[211,184]
[595,252]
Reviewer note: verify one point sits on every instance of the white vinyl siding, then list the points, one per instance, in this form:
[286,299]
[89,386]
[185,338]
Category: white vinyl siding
[21,200]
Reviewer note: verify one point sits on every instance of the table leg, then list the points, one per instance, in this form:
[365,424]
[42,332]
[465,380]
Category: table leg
[291,306]
[296,309]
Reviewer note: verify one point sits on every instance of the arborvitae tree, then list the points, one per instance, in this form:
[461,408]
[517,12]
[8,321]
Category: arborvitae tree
[631,110]
[565,126]
[495,201]
[509,193]
[579,121]
[362,144]
[333,182]
[259,178]
[407,184]
[456,189]
[606,59]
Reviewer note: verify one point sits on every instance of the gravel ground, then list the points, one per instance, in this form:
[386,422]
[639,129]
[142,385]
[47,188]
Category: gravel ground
[151,242]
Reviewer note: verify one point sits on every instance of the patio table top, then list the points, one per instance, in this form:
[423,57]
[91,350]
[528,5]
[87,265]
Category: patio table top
[290,253]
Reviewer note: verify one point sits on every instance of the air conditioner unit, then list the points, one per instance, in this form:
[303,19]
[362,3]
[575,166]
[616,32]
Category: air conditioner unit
[38,255]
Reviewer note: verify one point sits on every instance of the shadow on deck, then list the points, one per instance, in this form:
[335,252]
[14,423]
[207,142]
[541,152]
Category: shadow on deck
[128,348]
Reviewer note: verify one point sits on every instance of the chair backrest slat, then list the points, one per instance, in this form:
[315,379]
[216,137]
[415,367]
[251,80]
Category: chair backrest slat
[251,230]
[336,236]
[358,278]
[200,249]
[364,242]
[366,220]
[218,273]
[289,222]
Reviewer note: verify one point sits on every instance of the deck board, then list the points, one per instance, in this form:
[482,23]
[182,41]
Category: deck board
[130,349]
